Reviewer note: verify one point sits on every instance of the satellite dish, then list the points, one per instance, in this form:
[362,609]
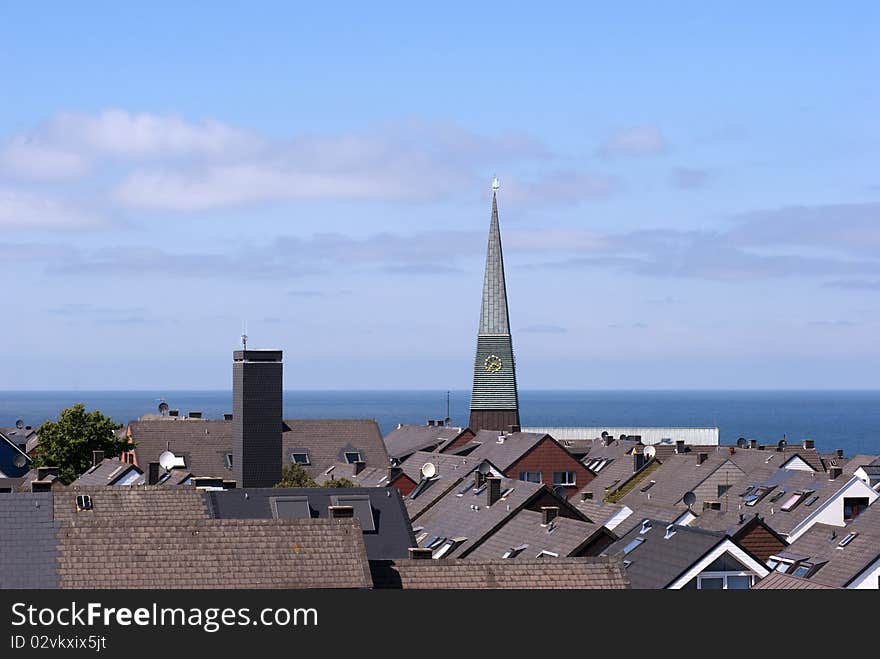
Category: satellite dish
[782,444]
[561,491]
[428,470]
[167,460]
[19,424]
[163,407]
[650,452]
[689,499]
[484,468]
[741,442]
[19,461]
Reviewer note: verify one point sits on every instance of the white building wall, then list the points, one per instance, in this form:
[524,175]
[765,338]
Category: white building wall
[869,579]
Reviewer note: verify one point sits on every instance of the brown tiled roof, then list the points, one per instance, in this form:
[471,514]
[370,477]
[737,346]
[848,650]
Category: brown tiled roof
[547,573]
[779,581]
[213,553]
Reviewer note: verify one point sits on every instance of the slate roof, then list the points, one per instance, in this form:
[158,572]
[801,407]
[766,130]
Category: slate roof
[406,439]
[106,472]
[821,544]
[327,441]
[27,436]
[554,573]
[147,503]
[779,581]
[212,553]
[564,536]
[658,561]
[27,540]
[391,538]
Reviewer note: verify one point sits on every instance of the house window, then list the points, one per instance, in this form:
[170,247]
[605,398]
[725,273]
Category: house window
[724,581]
[352,456]
[300,458]
[853,506]
[530,476]
[722,490]
[228,460]
[565,478]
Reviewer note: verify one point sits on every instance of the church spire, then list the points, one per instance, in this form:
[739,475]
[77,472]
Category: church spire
[494,398]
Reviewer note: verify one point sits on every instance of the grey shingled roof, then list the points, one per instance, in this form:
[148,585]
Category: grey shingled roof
[451,469]
[563,536]
[467,516]
[204,443]
[494,318]
[821,544]
[658,561]
[107,472]
[131,503]
[212,553]
[506,453]
[27,540]
[553,573]
[391,538]
[406,439]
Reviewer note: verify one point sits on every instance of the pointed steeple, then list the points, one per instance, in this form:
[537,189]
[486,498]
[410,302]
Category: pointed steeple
[494,318]
[494,398]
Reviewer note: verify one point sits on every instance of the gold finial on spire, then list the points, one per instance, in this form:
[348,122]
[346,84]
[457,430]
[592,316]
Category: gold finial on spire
[495,184]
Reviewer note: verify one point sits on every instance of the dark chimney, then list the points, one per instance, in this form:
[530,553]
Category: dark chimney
[153,473]
[341,512]
[173,412]
[753,443]
[679,446]
[585,496]
[256,417]
[809,444]
[548,514]
[227,416]
[394,472]
[195,414]
[513,428]
[834,472]
[638,458]
[702,457]
[840,454]
[41,486]
[97,457]
[358,467]
[479,478]
[431,422]
[229,484]
[419,553]
[493,491]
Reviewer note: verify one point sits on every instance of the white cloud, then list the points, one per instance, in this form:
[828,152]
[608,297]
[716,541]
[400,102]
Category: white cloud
[30,158]
[634,141]
[25,210]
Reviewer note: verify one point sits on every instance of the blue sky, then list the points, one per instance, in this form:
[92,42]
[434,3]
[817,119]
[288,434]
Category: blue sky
[690,195]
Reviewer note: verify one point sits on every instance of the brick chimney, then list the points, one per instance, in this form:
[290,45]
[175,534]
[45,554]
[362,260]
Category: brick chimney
[493,491]
[548,514]
[809,444]
[153,473]
[256,417]
[394,472]
[97,457]
[638,457]
[679,446]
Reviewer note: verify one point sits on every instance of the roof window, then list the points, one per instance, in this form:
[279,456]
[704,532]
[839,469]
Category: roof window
[513,552]
[83,502]
[635,542]
[848,539]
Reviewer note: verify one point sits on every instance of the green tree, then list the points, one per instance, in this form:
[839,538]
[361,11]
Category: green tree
[293,475]
[68,442]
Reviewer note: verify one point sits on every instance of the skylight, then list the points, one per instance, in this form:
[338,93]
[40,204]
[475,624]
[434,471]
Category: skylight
[632,545]
[848,539]
[352,456]
[813,499]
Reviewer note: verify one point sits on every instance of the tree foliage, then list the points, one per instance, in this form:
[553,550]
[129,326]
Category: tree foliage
[68,442]
[294,475]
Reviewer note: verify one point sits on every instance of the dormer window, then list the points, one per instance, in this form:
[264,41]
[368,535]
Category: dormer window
[83,502]
[353,456]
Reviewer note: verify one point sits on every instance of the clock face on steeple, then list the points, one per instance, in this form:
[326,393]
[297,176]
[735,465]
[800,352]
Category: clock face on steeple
[492,364]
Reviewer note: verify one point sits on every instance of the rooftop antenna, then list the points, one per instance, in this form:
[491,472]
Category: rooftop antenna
[448,415]
[244,337]
[495,184]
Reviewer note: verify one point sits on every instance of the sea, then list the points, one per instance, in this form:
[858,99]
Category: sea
[848,420]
